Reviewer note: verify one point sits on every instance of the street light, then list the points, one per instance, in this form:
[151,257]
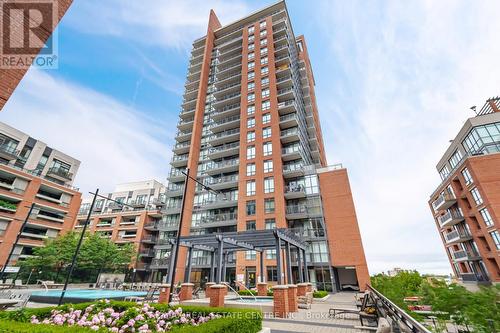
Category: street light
[17,240]
[187,177]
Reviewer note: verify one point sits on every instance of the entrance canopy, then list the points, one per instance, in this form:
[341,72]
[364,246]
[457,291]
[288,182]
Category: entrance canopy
[219,244]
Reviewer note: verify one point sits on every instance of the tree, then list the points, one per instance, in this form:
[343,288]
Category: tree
[97,254]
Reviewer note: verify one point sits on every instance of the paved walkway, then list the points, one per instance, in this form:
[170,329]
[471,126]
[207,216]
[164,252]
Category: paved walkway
[316,319]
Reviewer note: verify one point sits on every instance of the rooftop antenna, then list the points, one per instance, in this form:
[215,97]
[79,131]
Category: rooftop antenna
[473,108]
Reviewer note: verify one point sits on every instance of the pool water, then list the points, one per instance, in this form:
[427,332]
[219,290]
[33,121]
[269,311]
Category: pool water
[88,294]
[252,300]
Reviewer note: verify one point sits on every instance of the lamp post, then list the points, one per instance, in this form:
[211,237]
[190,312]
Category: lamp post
[187,177]
[16,241]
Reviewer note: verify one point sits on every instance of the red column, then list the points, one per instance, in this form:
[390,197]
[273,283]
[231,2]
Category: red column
[207,288]
[293,305]
[262,289]
[186,291]
[301,289]
[164,293]
[217,293]
[280,295]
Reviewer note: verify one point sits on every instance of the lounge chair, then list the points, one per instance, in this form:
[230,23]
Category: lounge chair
[305,302]
[151,296]
[21,298]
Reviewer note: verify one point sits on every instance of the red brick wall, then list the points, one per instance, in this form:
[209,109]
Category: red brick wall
[344,238]
[10,78]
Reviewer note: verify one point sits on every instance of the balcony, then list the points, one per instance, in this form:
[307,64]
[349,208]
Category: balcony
[185,124]
[444,201]
[225,124]
[226,111]
[49,217]
[293,170]
[228,99]
[217,220]
[147,253]
[167,225]
[308,233]
[456,236]
[284,81]
[149,239]
[222,202]
[450,218]
[60,174]
[282,60]
[290,135]
[229,72]
[176,176]
[463,255]
[183,136]
[160,263]
[286,94]
[224,166]
[182,147]
[295,192]
[174,191]
[225,182]
[287,107]
[176,209]
[8,152]
[159,202]
[289,120]
[179,160]
[138,203]
[226,150]
[296,212]
[290,154]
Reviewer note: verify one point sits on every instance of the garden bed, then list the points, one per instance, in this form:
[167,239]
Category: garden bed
[113,316]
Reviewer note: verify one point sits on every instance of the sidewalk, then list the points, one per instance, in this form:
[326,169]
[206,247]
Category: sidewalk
[316,319]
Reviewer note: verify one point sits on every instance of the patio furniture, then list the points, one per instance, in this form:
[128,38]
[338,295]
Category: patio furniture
[366,311]
[19,300]
[7,303]
[151,296]
[50,284]
[305,302]
[196,292]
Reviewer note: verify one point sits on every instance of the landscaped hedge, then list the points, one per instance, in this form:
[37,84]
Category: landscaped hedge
[233,320]
[320,294]
[253,293]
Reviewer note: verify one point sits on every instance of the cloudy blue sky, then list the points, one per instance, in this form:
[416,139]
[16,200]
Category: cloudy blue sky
[394,82]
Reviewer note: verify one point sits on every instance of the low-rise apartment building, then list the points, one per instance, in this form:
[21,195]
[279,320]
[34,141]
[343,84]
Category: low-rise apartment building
[130,222]
[466,205]
[32,172]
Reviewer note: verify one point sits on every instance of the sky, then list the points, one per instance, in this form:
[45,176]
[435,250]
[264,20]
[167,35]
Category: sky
[394,83]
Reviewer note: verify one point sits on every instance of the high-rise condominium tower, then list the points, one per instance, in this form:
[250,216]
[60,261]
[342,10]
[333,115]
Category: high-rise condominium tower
[466,205]
[249,129]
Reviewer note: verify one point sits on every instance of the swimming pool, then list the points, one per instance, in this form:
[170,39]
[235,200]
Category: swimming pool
[249,299]
[82,295]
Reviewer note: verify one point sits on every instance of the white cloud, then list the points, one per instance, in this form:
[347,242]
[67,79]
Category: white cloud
[408,74]
[155,22]
[114,142]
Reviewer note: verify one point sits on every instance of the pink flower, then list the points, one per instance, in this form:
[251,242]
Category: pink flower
[131,322]
[114,329]
[94,328]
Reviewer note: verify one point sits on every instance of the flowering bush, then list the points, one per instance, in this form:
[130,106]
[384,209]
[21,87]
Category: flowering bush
[141,318]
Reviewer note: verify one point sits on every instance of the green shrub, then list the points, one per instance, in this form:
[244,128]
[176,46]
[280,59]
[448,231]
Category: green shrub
[18,327]
[233,320]
[320,294]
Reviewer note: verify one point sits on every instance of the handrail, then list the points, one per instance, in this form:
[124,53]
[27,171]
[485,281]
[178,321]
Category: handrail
[401,315]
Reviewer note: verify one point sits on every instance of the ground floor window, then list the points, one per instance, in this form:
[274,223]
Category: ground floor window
[272,273]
